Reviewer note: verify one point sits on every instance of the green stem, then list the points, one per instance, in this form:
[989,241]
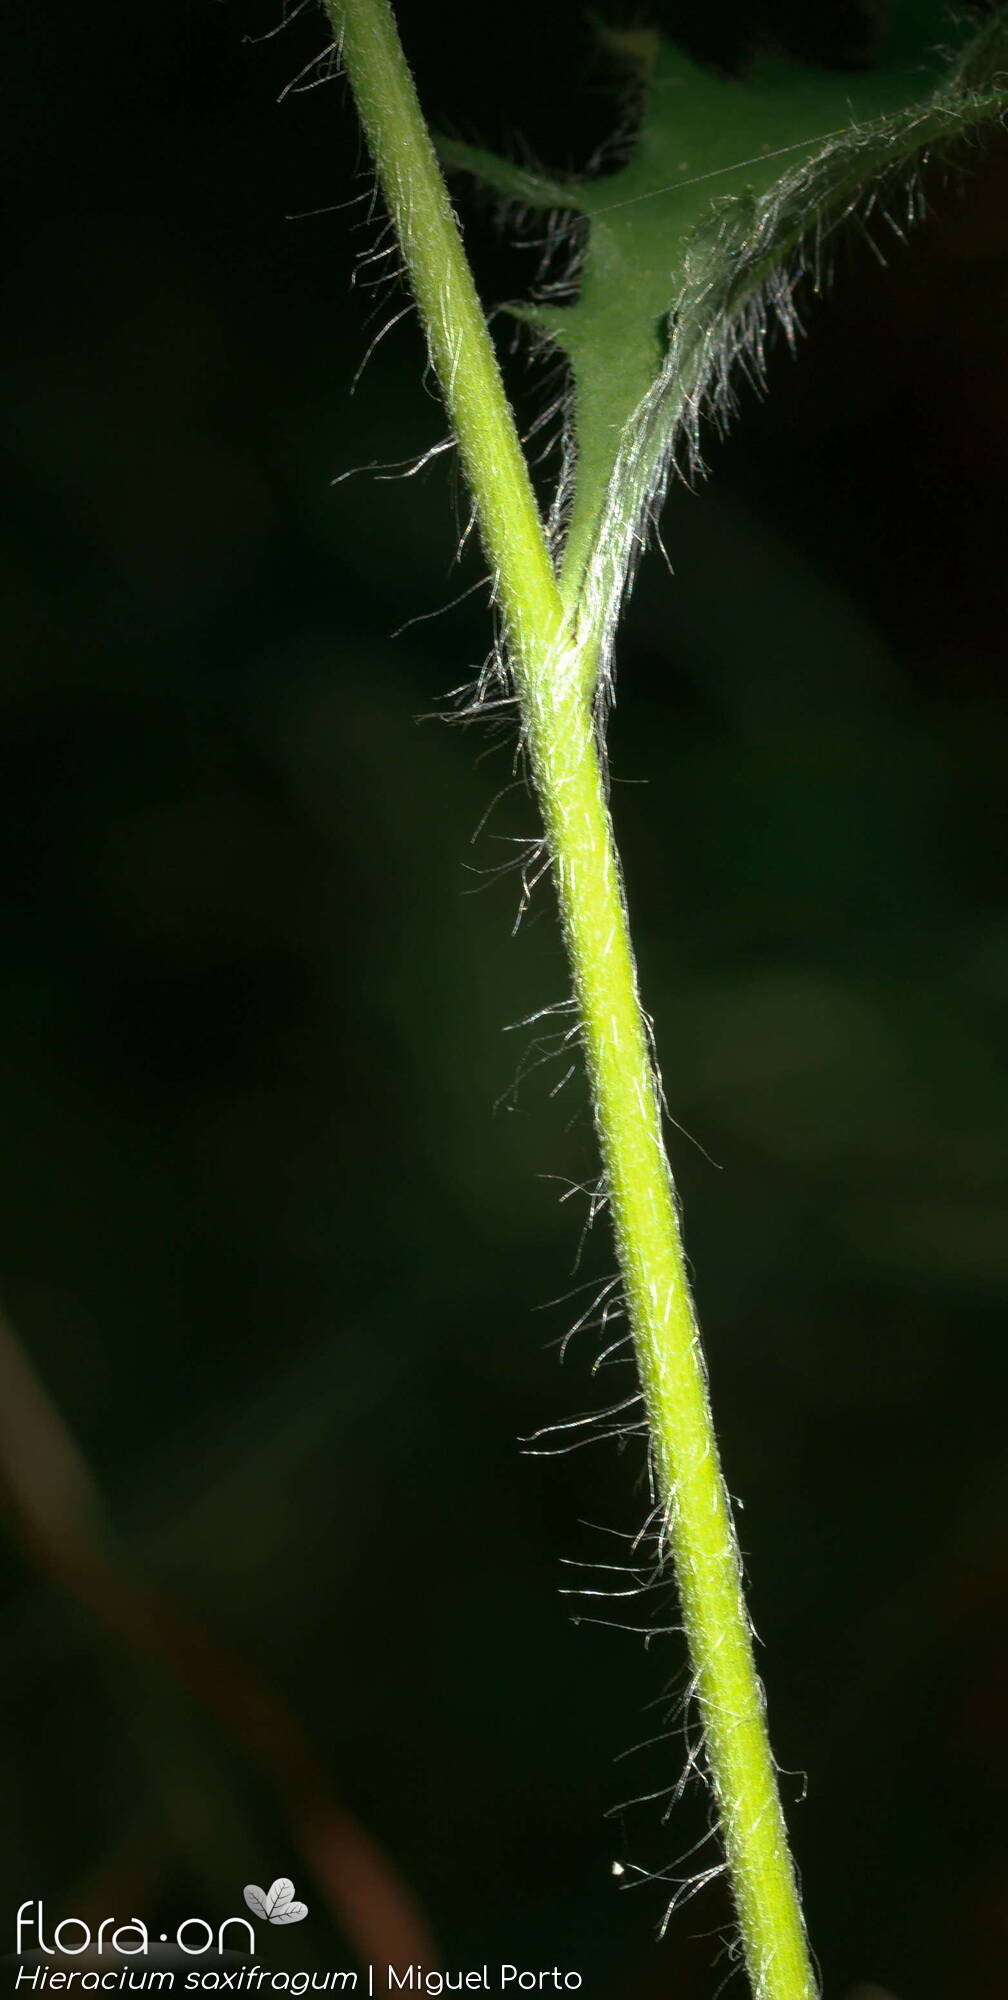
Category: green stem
[555,682]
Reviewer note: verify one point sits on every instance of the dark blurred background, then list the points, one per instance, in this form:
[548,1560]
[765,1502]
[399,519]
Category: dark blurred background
[270,1258]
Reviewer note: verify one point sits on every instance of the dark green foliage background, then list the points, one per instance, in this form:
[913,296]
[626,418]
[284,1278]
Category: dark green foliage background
[274,1257]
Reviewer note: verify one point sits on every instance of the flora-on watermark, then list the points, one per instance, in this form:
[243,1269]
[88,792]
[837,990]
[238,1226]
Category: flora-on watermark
[72,1937]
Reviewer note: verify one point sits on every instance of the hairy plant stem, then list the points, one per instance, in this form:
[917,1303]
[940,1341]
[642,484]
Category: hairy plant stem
[555,681]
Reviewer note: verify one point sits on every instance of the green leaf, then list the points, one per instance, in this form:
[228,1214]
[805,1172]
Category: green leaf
[688,251]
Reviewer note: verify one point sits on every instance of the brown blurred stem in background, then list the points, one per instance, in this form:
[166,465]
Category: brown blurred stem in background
[57,1516]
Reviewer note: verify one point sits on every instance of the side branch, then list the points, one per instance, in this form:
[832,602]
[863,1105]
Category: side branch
[460,345]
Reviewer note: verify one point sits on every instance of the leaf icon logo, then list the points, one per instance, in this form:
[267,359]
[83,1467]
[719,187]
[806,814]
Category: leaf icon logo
[277,1904]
